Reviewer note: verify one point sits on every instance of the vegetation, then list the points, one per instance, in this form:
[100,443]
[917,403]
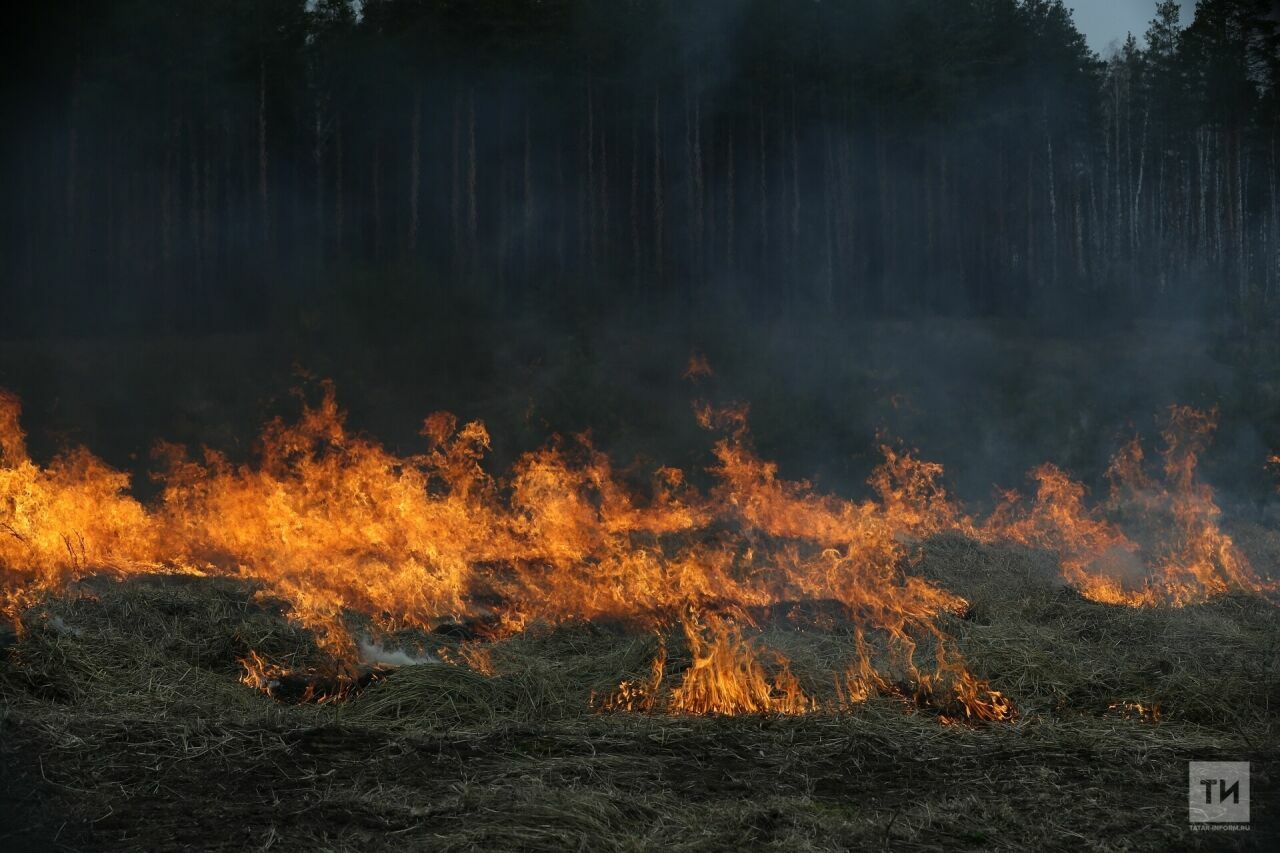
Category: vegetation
[209,164]
[122,712]
[945,222]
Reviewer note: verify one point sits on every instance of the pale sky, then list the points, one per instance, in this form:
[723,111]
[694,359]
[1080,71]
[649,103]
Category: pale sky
[1106,22]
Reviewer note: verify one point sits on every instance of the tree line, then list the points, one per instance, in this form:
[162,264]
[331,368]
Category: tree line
[205,164]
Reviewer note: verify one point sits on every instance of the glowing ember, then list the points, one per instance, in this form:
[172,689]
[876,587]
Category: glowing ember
[1138,711]
[287,685]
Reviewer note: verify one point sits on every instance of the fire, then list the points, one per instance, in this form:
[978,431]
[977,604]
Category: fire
[333,523]
[727,676]
[698,367]
[259,673]
[283,683]
[1138,711]
[1090,548]
[1179,553]
[63,520]
[732,674]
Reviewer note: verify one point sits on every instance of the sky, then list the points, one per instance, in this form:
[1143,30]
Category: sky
[1106,22]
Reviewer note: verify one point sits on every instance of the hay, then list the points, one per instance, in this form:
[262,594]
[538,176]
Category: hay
[123,719]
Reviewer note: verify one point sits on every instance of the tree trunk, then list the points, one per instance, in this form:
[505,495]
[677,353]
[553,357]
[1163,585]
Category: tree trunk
[377,199]
[319,235]
[264,198]
[73,150]
[339,210]
[415,171]
[473,202]
[635,200]
[658,212]
[589,225]
[527,235]
[729,205]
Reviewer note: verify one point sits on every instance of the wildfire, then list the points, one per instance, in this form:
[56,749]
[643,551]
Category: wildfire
[732,674]
[59,522]
[728,676]
[332,523]
[1180,554]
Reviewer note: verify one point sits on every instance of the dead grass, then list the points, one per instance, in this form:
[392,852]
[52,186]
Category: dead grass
[122,716]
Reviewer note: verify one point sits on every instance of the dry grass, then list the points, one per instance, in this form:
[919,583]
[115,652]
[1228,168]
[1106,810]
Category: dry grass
[124,726]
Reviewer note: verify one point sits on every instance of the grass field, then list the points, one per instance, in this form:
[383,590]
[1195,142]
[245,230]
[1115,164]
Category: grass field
[125,722]
[125,726]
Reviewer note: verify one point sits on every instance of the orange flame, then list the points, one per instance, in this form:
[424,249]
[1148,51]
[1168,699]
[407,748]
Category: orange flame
[332,522]
[727,677]
[1138,711]
[698,367]
[1188,556]
[59,522]
[731,674]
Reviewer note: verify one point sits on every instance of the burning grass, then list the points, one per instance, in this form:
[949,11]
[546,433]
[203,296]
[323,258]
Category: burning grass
[332,522]
[1177,552]
[123,709]
[336,646]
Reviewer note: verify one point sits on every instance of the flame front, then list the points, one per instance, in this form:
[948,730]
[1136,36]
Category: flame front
[1179,554]
[62,521]
[333,522]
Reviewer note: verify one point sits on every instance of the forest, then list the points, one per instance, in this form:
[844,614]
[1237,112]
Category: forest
[210,165]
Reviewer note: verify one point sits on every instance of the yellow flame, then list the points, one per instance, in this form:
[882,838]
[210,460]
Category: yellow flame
[1188,556]
[331,522]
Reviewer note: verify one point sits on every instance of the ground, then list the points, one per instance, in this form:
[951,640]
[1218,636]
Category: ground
[125,726]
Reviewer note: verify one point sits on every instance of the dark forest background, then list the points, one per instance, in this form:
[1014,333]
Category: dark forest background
[218,165]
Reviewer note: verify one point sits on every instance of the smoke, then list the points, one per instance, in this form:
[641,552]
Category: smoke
[373,654]
[581,230]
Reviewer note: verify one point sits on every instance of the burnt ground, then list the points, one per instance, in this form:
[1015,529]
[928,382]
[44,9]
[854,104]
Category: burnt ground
[125,726]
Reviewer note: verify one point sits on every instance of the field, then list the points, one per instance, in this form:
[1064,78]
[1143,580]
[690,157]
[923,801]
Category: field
[159,690]
[126,726]
[586,425]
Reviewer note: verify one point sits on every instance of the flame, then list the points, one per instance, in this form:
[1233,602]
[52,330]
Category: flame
[1090,549]
[330,685]
[732,674]
[1138,711]
[1179,553]
[639,694]
[332,522]
[727,676]
[471,654]
[259,673]
[59,522]
[698,368]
